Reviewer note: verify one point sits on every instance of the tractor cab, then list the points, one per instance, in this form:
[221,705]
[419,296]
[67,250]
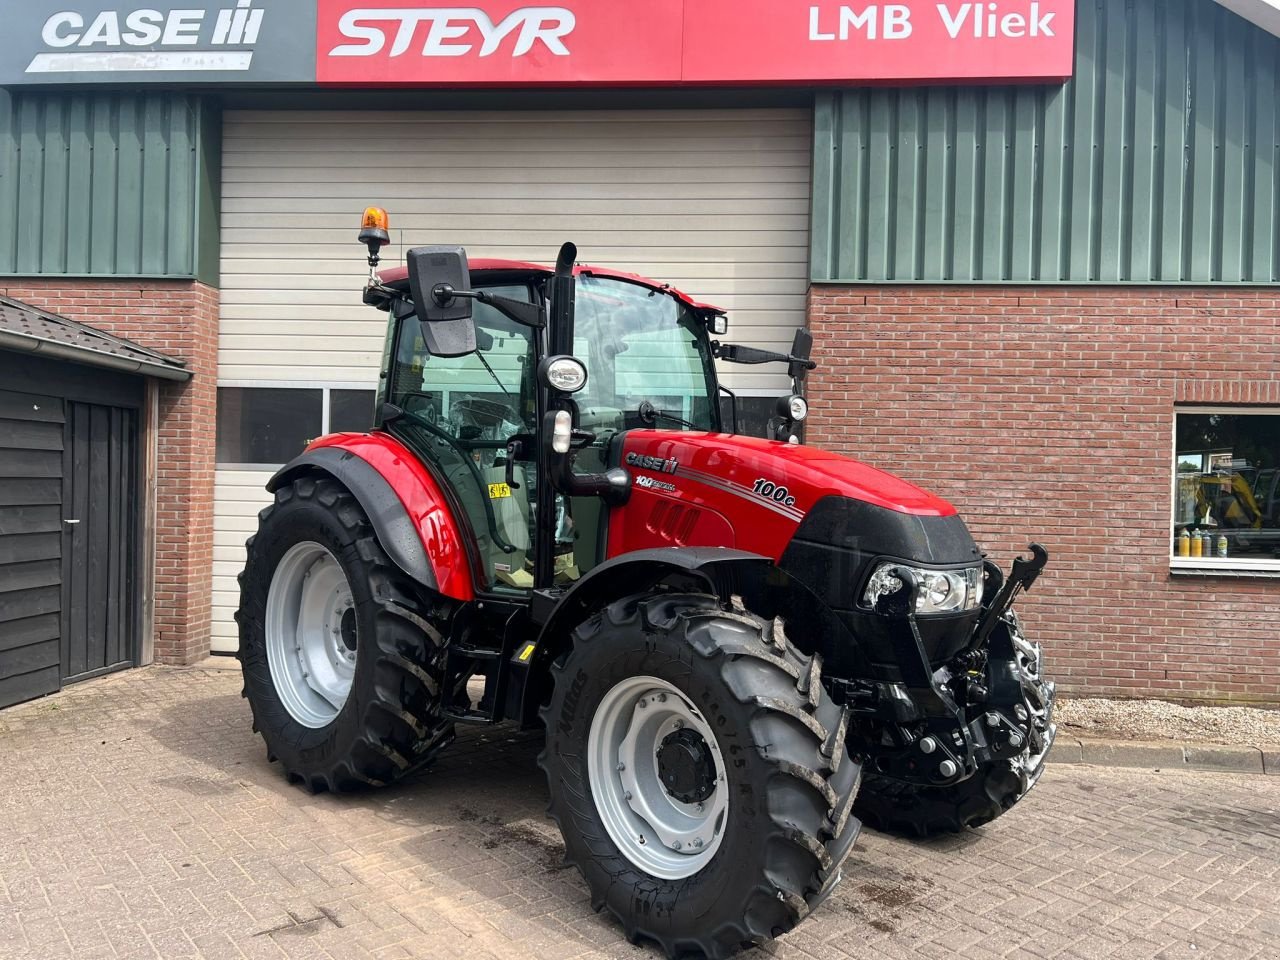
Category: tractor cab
[626,354]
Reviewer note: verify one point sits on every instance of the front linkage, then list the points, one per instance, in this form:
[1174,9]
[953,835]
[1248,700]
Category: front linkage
[958,745]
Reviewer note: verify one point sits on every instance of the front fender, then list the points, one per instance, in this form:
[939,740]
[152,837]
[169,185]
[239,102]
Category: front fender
[404,502]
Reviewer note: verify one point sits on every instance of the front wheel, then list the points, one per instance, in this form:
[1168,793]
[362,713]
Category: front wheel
[698,773]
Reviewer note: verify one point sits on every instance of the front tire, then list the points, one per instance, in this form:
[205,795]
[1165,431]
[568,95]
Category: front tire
[341,667]
[698,773]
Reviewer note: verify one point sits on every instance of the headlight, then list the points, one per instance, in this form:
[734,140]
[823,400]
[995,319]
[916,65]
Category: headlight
[940,591]
[792,407]
[563,373]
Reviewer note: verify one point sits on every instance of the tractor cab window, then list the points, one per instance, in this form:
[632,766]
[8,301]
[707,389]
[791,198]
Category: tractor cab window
[460,412]
[643,349]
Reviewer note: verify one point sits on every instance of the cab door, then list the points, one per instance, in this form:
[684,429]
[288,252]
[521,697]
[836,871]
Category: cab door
[460,415]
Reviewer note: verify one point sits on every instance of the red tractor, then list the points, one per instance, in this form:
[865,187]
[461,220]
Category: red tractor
[737,646]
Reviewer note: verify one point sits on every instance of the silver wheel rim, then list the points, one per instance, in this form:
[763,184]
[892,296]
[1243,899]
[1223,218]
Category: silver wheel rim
[663,836]
[312,664]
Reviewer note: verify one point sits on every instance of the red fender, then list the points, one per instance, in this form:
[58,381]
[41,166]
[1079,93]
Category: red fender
[442,537]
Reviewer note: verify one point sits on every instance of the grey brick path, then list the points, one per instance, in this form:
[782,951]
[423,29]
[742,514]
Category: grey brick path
[139,818]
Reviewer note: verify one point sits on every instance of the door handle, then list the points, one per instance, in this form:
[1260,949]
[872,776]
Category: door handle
[71,522]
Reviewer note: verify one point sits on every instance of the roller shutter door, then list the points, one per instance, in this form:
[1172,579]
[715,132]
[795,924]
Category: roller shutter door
[715,202]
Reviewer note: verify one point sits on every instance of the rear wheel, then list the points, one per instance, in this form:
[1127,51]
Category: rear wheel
[341,668]
[698,773]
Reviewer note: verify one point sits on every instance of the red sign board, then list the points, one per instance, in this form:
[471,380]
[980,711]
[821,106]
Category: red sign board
[674,42]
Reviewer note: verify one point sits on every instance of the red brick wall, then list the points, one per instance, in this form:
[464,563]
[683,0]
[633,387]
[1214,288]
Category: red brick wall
[180,319]
[1047,414]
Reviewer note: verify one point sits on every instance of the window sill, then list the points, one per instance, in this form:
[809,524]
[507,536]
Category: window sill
[1224,567]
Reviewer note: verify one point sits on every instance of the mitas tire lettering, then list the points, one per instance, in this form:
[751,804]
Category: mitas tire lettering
[787,825]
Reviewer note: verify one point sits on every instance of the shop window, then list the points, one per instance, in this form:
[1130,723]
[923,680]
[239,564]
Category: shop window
[1226,489]
[269,426]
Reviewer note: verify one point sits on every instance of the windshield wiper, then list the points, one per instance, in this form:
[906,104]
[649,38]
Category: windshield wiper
[651,414]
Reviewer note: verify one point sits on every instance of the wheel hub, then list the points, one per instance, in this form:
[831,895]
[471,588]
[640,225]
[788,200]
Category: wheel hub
[657,777]
[311,634]
[686,767]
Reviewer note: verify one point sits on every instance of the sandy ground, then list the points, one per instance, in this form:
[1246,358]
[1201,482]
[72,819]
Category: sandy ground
[1158,720]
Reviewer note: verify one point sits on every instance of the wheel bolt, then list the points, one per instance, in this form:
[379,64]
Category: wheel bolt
[662,698]
[697,843]
[676,845]
[643,703]
[621,767]
[678,724]
[699,806]
[626,795]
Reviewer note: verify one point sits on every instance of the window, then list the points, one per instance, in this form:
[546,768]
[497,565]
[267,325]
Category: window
[640,345]
[269,426]
[1226,489]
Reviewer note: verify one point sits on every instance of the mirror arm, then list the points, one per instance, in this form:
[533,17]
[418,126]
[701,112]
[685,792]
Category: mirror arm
[734,353]
[517,311]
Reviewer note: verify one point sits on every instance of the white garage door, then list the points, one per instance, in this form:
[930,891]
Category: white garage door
[715,202]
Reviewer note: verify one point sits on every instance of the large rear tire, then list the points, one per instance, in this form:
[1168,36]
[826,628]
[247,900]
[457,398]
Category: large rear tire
[698,773]
[913,810]
[341,667]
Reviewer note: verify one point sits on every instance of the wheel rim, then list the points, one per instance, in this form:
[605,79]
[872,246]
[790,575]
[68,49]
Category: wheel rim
[645,732]
[311,634]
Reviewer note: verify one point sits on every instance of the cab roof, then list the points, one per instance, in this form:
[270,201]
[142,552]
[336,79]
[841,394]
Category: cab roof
[394,275]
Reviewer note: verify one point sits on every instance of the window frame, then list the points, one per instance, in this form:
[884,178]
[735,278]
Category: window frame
[324,389]
[1211,566]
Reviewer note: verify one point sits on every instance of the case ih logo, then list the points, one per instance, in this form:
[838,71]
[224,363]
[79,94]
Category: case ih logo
[453,31]
[127,40]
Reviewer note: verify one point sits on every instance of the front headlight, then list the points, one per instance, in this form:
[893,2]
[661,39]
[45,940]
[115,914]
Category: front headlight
[940,591]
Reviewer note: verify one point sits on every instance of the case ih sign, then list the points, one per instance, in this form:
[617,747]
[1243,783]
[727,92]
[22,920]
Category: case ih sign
[496,43]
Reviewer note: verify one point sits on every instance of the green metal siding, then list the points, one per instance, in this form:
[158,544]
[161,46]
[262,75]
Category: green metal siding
[1158,163]
[107,185]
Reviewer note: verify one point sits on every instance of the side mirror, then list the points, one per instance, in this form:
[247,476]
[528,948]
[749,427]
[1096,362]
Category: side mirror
[435,273]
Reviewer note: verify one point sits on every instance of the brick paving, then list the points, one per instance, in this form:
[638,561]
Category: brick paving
[139,818]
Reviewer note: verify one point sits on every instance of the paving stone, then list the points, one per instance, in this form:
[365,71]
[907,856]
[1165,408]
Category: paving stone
[141,819]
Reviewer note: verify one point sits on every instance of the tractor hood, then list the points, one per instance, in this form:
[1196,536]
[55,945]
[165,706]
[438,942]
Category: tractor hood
[715,489]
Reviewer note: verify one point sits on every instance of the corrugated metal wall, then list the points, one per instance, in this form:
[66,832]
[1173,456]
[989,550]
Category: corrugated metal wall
[107,184]
[1159,162]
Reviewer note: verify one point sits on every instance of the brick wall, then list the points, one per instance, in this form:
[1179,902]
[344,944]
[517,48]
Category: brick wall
[180,319]
[1047,414]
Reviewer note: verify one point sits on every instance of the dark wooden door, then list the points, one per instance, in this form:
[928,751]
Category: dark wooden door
[99,541]
[31,457]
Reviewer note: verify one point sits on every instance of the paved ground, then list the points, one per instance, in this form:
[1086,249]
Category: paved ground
[139,818]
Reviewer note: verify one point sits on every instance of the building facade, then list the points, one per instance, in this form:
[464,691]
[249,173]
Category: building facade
[1043,280]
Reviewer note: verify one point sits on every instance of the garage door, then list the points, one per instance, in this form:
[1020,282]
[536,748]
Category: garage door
[68,540]
[715,202]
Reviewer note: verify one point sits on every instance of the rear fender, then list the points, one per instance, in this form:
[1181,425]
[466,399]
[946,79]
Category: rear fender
[405,505]
[764,588]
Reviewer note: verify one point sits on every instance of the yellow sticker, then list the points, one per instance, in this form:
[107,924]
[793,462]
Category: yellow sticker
[497,491]
[527,652]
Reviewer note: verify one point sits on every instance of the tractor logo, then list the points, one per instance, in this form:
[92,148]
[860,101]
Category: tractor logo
[453,31]
[656,464]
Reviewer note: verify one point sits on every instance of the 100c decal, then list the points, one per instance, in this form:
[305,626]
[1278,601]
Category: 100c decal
[771,491]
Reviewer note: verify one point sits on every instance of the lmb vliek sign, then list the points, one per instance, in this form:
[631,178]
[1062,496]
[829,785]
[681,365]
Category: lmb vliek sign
[507,43]
[244,41]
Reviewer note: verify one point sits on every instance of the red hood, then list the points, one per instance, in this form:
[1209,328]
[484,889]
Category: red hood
[809,473]
[394,275]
